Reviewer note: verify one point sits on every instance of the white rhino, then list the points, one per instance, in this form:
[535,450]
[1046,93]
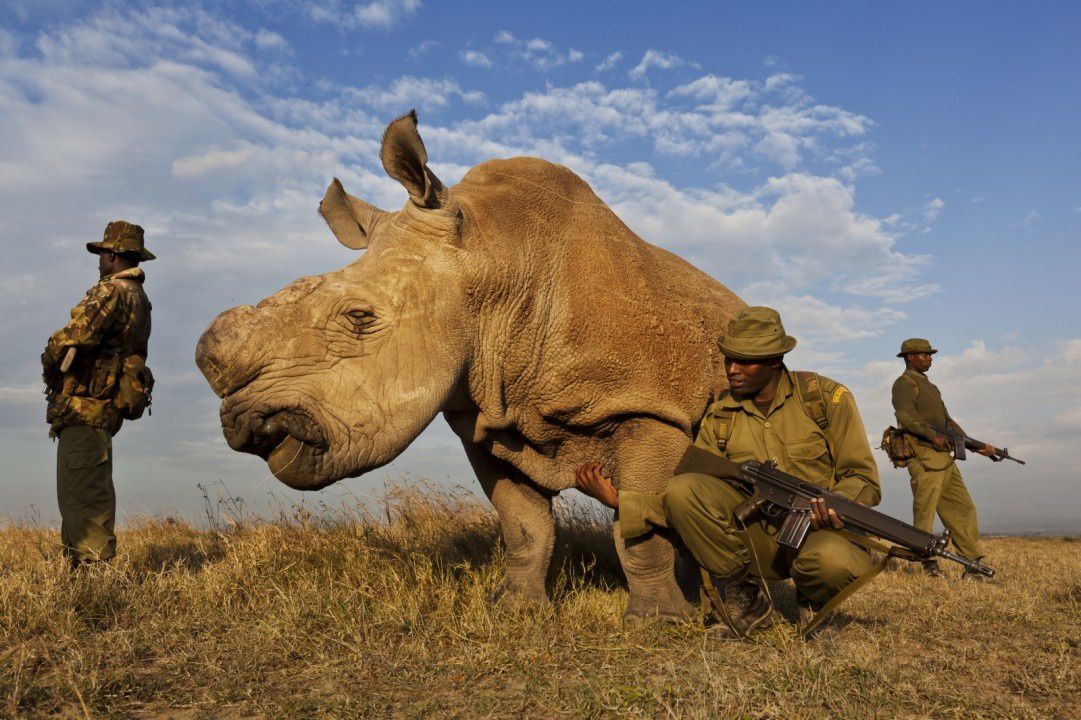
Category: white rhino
[518,305]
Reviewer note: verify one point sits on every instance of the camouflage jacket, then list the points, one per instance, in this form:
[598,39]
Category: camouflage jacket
[112,322]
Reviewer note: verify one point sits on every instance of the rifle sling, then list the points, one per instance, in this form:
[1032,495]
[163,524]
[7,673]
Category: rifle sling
[891,551]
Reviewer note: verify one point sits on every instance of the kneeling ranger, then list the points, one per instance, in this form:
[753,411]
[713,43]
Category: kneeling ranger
[808,426]
[96,377]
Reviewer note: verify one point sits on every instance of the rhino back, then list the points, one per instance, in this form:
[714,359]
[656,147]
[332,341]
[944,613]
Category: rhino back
[583,322]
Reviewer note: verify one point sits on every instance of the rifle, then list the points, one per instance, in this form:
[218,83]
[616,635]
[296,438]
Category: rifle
[960,442]
[777,493]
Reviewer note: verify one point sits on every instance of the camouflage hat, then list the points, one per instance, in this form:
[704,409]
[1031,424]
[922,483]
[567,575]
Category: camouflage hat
[123,238]
[916,345]
[756,334]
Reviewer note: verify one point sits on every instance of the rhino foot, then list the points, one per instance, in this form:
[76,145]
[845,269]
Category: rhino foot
[517,592]
[661,600]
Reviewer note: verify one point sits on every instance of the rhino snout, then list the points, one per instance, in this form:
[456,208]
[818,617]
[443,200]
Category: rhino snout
[225,352]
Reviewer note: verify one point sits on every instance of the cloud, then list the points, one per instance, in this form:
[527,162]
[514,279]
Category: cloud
[1027,220]
[419,51]
[537,52]
[267,40]
[654,59]
[383,14]
[408,91]
[475,58]
[717,93]
[609,62]
[932,208]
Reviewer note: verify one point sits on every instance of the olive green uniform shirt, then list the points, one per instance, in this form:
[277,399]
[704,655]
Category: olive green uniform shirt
[837,458]
[918,404]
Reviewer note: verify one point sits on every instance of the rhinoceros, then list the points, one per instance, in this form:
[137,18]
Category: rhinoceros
[515,303]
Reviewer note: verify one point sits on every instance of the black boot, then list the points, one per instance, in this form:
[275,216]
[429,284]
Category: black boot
[741,604]
[931,569]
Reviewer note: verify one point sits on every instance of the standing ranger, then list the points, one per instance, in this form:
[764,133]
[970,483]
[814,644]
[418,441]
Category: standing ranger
[808,426]
[936,482]
[96,377]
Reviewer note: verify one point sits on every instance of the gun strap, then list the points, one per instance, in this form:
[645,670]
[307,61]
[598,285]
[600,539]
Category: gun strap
[891,551]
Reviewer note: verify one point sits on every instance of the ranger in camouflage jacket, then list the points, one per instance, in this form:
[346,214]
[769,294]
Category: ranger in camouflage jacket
[84,365]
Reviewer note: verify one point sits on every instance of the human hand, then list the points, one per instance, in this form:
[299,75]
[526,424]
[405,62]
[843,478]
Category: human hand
[988,451]
[590,479]
[822,516]
[941,442]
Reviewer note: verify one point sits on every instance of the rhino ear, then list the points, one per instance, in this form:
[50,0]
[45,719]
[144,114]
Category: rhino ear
[405,159]
[350,219]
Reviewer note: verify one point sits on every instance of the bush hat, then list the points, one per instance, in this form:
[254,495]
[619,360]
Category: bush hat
[916,345]
[756,334]
[122,238]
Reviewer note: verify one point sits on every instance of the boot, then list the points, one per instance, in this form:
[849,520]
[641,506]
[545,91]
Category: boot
[931,569]
[744,605]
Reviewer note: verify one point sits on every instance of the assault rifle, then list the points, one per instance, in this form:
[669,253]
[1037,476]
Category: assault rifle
[961,442]
[780,495]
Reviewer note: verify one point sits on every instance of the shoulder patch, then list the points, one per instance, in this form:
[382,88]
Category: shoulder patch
[838,394]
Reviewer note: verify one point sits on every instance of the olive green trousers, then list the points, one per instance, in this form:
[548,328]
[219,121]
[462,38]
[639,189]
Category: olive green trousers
[84,491]
[700,508]
[937,486]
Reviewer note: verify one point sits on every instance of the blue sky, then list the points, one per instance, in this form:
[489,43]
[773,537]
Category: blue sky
[875,171]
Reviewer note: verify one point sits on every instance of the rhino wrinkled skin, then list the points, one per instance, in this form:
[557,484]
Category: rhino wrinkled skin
[518,305]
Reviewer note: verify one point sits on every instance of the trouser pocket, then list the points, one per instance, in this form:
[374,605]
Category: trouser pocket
[82,446]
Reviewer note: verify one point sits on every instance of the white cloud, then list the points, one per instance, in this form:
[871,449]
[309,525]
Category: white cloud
[537,52]
[382,14]
[408,91]
[267,40]
[419,51]
[719,93]
[475,58]
[1027,220]
[654,59]
[609,62]
[932,208]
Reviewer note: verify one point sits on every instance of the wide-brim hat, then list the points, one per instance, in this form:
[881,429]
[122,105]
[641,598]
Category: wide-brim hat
[122,238]
[916,345]
[756,334]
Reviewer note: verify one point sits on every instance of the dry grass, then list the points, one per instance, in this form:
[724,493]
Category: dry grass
[385,613]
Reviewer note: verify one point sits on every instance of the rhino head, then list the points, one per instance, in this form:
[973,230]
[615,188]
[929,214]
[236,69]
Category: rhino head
[336,374]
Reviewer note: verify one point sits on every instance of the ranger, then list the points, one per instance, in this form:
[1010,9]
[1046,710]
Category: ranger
[937,485]
[808,426]
[96,377]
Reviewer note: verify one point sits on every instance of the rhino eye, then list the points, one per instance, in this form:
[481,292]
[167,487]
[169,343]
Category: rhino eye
[362,321]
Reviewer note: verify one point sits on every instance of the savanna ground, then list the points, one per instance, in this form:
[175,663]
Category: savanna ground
[384,611]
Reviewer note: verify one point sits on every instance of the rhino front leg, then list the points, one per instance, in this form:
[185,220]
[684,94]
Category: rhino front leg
[525,517]
[647,454]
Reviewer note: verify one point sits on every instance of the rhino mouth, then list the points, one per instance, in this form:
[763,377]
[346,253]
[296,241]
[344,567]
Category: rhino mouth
[271,432]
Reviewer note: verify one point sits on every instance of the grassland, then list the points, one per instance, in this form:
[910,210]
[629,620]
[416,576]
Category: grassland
[384,612]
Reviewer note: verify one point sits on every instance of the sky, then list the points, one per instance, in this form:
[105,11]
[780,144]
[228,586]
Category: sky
[875,171]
